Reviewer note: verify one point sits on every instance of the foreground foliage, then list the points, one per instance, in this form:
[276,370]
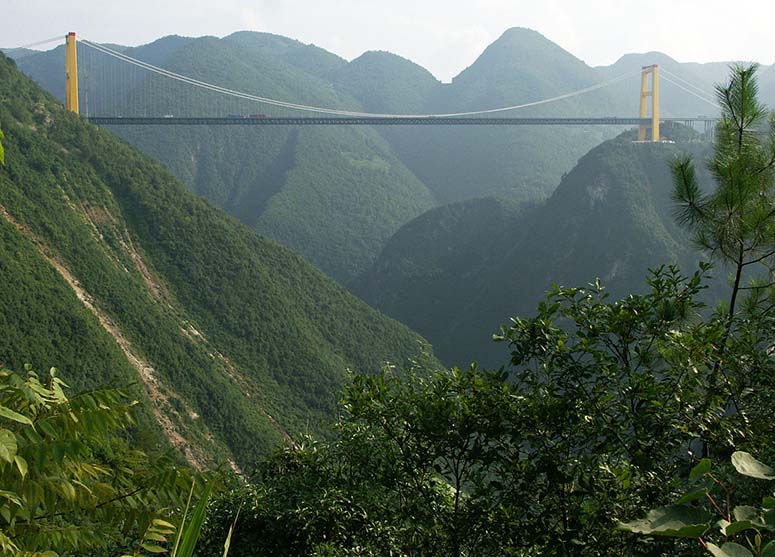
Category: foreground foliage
[707,512]
[735,224]
[70,483]
[598,416]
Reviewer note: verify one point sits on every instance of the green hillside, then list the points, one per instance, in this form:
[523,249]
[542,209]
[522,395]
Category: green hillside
[113,271]
[457,273]
[334,195]
[387,83]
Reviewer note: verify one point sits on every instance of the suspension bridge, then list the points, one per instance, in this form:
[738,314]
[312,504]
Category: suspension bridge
[107,87]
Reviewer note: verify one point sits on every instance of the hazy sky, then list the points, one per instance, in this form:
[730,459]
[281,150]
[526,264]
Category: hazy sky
[445,36]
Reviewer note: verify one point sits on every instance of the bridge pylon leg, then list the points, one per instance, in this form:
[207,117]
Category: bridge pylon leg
[645,93]
[71,74]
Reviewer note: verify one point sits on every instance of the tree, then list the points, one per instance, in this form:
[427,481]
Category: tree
[410,471]
[608,395]
[2,153]
[68,483]
[735,223]
[449,428]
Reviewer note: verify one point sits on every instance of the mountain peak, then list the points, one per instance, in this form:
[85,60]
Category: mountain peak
[646,58]
[307,57]
[523,38]
[520,33]
[384,58]
[520,49]
[262,39]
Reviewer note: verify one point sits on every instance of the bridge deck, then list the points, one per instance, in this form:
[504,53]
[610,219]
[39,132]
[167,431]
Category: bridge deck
[383,121]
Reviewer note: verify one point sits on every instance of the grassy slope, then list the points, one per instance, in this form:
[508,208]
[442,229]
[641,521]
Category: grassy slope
[243,335]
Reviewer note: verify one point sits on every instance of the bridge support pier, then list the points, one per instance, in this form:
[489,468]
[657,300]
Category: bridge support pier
[645,93]
[71,74]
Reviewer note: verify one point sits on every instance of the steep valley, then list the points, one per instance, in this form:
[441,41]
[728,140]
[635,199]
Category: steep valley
[459,272]
[116,274]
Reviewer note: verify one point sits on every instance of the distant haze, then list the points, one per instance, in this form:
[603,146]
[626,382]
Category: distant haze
[444,36]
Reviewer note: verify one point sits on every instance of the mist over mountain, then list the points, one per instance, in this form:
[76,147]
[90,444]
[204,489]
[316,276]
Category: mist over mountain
[337,195]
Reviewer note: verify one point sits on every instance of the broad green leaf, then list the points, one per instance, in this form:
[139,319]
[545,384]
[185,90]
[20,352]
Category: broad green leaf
[163,523]
[21,464]
[11,496]
[702,468]
[738,526]
[747,512]
[68,490]
[693,496]
[675,521]
[8,446]
[729,549]
[769,550]
[15,416]
[749,466]
[768,502]
[151,548]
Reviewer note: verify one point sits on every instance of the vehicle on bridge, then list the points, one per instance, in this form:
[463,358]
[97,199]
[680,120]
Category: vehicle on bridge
[252,116]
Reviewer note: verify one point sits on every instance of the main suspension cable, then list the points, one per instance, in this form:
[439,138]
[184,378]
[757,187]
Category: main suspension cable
[324,110]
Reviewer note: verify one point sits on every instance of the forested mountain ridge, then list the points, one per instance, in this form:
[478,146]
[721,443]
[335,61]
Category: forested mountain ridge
[336,195]
[112,271]
[458,163]
[309,58]
[457,273]
[332,194]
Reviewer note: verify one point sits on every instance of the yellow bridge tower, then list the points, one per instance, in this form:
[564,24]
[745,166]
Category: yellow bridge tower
[71,74]
[645,93]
